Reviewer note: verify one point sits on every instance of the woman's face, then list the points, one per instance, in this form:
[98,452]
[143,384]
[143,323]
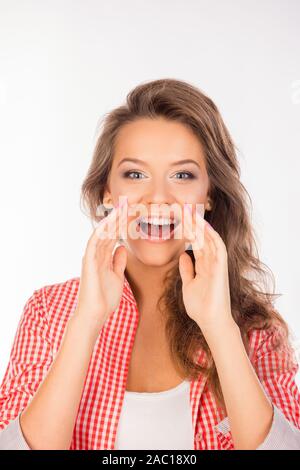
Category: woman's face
[157,180]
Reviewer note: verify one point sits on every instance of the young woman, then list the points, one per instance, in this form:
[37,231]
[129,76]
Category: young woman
[158,345]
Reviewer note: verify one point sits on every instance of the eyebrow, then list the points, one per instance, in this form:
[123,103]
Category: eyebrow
[137,160]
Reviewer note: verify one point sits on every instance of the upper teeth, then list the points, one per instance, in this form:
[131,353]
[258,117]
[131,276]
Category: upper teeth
[155,221]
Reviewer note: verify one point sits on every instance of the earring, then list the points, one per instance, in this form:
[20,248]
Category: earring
[108,203]
[209,205]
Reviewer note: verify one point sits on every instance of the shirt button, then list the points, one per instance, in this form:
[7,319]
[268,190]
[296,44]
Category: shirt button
[198,436]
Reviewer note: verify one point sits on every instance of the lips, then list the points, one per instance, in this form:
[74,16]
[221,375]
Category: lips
[154,231]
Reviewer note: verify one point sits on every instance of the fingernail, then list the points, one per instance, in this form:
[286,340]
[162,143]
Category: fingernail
[199,209]
[124,201]
[186,205]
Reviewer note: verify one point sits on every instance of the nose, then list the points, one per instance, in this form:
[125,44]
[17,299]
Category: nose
[157,198]
[158,193]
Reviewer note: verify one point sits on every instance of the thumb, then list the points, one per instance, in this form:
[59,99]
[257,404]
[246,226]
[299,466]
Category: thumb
[119,260]
[186,268]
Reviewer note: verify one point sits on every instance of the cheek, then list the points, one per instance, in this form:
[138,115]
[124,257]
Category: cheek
[120,188]
[117,191]
[197,194]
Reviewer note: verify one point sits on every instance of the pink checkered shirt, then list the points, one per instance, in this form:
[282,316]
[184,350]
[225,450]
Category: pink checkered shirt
[37,340]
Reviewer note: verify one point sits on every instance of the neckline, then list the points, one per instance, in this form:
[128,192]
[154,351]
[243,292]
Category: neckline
[162,394]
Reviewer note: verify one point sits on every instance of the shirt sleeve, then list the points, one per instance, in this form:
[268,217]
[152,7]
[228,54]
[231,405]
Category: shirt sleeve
[276,366]
[30,358]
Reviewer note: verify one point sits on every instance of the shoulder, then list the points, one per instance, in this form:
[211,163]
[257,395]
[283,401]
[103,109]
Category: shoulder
[65,291]
[54,303]
[51,306]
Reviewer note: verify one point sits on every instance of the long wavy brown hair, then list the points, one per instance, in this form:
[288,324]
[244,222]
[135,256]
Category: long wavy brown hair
[252,283]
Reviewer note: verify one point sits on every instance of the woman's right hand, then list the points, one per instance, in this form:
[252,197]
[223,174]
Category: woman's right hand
[102,273]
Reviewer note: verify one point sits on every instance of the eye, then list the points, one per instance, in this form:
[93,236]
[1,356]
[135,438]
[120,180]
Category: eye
[127,173]
[189,175]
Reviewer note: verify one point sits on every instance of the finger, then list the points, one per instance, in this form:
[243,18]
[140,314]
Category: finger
[92,243]
[119,261]
[104,253]
[103,248]
[95,243]
[194,224]
[117,229]
[186,268]
[188,232]
[107,228]
[216,239]
[210,247]
[119,225]
[108,238]
[94,238]
[123,222]
[111,226]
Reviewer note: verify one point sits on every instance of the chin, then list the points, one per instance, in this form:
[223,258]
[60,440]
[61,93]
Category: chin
[156,254]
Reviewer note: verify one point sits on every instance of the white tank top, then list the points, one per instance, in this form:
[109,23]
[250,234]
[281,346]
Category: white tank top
[156,420]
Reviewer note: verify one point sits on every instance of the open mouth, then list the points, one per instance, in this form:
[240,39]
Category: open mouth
[154,231]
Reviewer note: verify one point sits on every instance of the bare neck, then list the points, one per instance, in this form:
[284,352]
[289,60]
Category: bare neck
[147,284]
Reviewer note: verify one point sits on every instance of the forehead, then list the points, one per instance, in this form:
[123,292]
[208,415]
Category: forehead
[157,138]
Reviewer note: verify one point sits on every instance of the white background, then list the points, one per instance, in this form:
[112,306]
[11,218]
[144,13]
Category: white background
[63,64]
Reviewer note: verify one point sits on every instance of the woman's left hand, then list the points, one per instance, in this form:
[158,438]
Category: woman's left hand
[206,293]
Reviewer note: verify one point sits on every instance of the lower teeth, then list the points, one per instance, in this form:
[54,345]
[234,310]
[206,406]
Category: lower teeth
[156,231]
